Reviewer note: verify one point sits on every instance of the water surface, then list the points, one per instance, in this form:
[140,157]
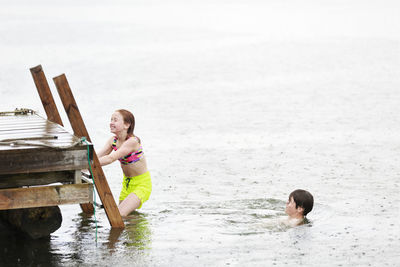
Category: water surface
[237,104]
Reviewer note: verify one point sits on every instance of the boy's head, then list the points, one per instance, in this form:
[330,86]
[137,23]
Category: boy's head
[300,203]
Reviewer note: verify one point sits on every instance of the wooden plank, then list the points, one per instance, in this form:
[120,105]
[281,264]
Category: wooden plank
[45,196]
[31,179]
[26,126]
[45,94]
[18,118]
[36,136]
[43,160]
[63,143]
[50,133]
[19,122]
[78,177]
[75,118]
[30,147]
[54,139]
[40,130]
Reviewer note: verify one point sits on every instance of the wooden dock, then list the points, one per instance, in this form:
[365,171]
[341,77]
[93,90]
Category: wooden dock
[41,163]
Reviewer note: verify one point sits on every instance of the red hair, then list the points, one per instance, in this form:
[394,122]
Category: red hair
[129,119]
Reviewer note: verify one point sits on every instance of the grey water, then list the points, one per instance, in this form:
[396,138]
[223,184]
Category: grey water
[237,103]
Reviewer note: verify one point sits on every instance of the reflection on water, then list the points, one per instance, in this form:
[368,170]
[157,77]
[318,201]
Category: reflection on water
[75,244]
[114,238]
[17,249]
[111,243]
[137,231]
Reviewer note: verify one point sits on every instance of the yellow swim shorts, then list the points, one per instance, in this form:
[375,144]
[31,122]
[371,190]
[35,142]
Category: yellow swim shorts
[140,185]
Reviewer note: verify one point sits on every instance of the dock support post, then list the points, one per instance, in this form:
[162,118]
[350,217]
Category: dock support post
[51,110]
[75,118]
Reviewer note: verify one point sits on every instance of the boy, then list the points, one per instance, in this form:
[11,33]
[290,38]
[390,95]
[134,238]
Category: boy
[300,203]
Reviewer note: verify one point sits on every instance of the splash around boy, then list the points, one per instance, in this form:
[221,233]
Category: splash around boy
[127,148]
[299,204]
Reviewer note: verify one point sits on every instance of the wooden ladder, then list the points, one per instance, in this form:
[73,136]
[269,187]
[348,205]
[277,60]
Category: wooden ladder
[79,128]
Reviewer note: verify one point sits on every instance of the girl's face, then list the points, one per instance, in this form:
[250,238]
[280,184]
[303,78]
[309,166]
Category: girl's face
[117,123]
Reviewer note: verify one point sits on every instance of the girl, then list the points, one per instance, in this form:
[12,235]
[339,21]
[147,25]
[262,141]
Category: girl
[127,148]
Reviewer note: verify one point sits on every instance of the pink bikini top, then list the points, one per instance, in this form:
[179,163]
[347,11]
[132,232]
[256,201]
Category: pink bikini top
[131,157]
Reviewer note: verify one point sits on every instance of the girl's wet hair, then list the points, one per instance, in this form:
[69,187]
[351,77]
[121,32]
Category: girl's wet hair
[129,119]
[303,199]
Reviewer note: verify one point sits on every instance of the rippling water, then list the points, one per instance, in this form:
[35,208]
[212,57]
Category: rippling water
[237,104]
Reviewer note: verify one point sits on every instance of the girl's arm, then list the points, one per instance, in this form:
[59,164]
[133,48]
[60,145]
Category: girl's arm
[107,149]
[127,147]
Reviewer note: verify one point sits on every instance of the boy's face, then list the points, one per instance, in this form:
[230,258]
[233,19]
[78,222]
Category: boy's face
[291,209]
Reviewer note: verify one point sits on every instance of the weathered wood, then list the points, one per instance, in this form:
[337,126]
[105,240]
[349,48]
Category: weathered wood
[35,222]
[34,130]
[45,94]
[78,177]
[51,109]
[79,128]
[33,159]
[42,160]
[24,123]
[32,179]
[44,196]
[47,219]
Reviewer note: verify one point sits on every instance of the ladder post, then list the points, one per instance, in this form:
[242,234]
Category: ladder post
[75,118]
[45,95]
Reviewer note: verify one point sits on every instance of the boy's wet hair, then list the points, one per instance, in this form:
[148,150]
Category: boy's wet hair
[303,199]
